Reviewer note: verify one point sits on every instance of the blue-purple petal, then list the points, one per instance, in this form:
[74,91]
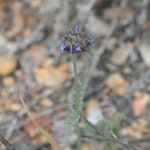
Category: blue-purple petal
[62,47]
[78,47]
[92,41]
[78,28]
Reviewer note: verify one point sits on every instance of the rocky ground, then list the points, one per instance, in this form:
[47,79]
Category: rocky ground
[116,76]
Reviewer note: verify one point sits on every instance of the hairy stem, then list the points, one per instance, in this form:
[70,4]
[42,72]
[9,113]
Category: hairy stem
[77,99]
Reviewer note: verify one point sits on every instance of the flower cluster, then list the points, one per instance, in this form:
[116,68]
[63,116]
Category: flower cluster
[76,40]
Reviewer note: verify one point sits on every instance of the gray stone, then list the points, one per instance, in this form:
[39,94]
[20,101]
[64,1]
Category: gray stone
[145,53]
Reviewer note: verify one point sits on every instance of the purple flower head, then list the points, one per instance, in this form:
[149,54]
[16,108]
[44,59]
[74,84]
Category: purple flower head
[76,40]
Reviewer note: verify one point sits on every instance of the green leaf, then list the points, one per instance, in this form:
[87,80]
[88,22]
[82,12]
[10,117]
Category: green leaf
[80,95]
[73,120]
[77,105]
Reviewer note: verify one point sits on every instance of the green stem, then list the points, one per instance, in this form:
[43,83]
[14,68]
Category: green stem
[77,100]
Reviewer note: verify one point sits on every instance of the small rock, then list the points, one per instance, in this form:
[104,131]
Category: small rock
[127,70]
[137,129]
[8,65]
[137,94]
[117,83]
[35,4]
[25,143]
[16,7]
[145,53]
[16,27]
[126,16]
[8,81]
[97,26]
[112,43]
[2,146]
[109,112]
[67,148]
[85,147]
[111,12]
[119,57]
[3,42]
[93,112]
[46,103]
[51,76]
[140,104]
[15,106]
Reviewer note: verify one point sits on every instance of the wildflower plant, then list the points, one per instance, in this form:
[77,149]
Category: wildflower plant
[76,40]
